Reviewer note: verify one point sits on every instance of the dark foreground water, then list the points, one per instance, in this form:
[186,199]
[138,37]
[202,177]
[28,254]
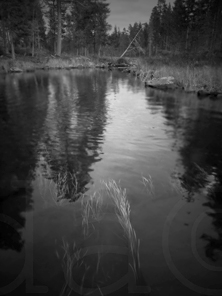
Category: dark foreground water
[164,148]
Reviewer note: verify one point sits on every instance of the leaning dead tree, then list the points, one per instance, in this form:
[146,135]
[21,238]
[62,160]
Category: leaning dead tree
[137,43]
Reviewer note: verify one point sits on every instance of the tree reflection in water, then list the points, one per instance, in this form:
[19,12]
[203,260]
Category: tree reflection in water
[22,113]
[197,126]
[74,129]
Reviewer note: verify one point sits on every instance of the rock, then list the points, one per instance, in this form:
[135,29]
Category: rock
[15,70]
[168,82]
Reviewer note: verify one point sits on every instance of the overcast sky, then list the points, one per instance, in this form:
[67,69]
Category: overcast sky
[125,12]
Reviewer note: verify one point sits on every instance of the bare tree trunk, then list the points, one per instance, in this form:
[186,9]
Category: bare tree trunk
[7,42]
[33,33]
[166,43]
[150,46]
[131,42]
[12,47]
[54,28]
[33,45]
[99,50]
[33,41]
[38,38]
[4,37]
[55,47]
[187,39]
[59,32]
[212,36]
[94,43]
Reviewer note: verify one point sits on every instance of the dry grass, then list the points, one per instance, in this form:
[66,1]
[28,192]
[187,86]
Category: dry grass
[69,62]
[8,64]
[192,78]
[31,64]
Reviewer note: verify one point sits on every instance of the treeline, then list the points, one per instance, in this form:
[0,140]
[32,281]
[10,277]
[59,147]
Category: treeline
[190,27]
[34,26]
[80,26]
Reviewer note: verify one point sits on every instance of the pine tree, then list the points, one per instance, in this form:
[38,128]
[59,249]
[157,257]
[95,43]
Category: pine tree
[179,25]
[154,32]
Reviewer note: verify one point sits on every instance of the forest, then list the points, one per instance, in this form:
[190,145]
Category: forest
[80,27]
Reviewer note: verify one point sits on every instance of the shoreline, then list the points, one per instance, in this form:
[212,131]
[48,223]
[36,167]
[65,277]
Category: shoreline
[205,81]
[28,64]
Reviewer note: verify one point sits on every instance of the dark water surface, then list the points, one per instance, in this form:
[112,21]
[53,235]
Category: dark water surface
[164,148]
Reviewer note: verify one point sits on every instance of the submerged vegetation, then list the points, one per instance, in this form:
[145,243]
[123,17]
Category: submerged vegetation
[94,260]
[90,261]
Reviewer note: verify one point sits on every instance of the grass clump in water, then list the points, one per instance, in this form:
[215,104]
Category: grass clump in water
[75,261]
[123,214]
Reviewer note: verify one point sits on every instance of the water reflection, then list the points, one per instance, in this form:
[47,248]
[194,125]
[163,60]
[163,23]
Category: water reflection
[79,127]
[197,126]
[74,126]
[22,113]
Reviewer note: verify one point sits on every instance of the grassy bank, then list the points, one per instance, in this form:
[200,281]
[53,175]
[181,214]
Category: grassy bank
[22,63]
[193,77]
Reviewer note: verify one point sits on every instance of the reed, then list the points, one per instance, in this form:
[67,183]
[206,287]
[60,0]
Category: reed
[62,186]
[71,258]
[177,184]
[66,185]
[91,209]
[192,77]
[123,214]
[148,184]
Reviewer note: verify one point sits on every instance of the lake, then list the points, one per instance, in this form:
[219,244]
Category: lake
[108,187]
